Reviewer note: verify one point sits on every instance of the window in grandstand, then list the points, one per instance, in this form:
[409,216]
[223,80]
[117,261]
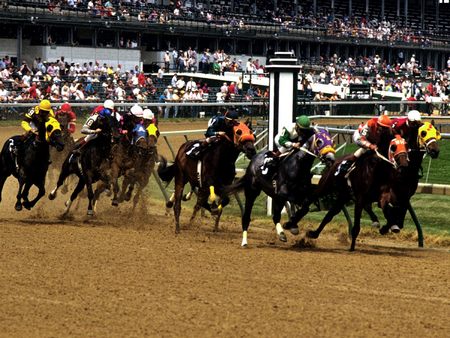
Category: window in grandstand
[187,42]
[8,31]
[242,46]
[149,41]
[168,42]
[59,36]
[257,47]
[83,37]
[106,38]
[35,34]
[205,43]
[128,40]
[227,45]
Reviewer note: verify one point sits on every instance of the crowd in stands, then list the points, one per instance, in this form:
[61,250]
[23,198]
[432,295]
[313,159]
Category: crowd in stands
[60,81]
[286,16]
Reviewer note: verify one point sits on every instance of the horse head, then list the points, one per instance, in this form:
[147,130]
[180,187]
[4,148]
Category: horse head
[398,152]
[53,134]
[427,139]
[322,145]
[244,139]
[109,126]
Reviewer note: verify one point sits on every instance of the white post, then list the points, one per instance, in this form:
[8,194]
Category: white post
[283,84]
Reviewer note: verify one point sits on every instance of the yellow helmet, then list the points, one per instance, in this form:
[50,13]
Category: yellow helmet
[45,105]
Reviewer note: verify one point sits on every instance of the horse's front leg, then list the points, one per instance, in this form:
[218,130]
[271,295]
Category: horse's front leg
[373,217]
[90,191]
[278,205]
[250,197]
[179,186]
[3,178]
[41,192]
[18,205]
[356,225]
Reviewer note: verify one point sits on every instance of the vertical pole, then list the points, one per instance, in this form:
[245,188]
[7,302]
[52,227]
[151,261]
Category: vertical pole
[437,12]
[332,7]
[19,44]
[315,7]
[406,12]
[349,220]
[417,223]
[382,8]
[398,8]
[367,6]
[350,8]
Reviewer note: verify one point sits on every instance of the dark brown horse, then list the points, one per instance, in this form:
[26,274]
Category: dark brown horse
[370,181]
[210,174]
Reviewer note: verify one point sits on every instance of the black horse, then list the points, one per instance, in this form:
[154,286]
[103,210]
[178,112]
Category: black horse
[26,157]
[210,174]
[370,181]
[91,164]
[292,183]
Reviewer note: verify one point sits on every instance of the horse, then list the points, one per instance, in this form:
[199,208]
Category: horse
[90,165]
[370,180]
[59,157]
[422,143]
[29,162]
[144,163]
[292,181]
[210,174]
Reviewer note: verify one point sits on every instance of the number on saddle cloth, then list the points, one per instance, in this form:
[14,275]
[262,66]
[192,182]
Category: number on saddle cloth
[270,164]
[194,151]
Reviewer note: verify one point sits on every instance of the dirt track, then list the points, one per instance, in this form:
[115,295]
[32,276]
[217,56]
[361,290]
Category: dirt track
[128,275]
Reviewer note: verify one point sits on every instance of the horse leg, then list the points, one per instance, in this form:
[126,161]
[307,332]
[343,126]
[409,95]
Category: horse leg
[250,197]
[115,179]
[177,202]
[73,196]
[41,192]
[292,224]
[90,191]
[18,205]
[373,217]
[2,183]
[334,210]
[278,206]
[356,225]
[212,199]
[65,172]
[137,196]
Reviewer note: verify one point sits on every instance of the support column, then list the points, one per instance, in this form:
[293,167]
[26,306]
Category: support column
[315,7]
[19,45]
[283,83]
[422,14]
[94,38]
[117,40]
[398,8]
[406,12]
[308,50]
[367,6]
[437,12]
[349,8]
[332,7]
[70,37]
[382,8]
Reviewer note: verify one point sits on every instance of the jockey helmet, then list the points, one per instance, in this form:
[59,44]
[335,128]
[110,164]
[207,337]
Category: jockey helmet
[137,111]
[109,104]
[232,115]
[384,121]
[148,114]
[45,105]
[303,122]
[66,108]
[104,113]
[414,115]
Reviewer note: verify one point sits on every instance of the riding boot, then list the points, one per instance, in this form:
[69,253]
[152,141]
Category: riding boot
[345,166]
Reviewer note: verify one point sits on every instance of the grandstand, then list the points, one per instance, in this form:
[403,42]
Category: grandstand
[139,31]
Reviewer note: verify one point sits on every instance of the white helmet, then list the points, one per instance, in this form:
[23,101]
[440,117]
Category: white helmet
[109,104]
[148,114]
[414,115]
[136,110]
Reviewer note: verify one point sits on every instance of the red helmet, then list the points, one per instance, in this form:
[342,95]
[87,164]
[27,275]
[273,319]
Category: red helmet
[66,107]
[384,121]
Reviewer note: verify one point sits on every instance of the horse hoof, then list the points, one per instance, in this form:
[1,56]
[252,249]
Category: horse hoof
[282,236]
[90,212]
[376,224]
[395,229]
[127,197]
[185,198]
[384,230]
[51,196]
[312,234]
[177,231]
[169,204]
[18,207]
[108,192]
[115,203]
[292,228]
[27,205]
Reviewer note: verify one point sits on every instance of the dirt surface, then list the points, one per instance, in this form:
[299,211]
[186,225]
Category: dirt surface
[124,274]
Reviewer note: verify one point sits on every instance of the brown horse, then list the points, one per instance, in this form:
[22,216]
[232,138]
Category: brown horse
[210,174]
[145,155]
[370,181]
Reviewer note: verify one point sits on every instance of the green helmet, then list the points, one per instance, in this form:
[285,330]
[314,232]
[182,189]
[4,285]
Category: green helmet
[303,121]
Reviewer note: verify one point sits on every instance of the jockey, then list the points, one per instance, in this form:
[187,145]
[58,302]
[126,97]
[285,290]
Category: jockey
[66,110]
[367,137]
[408,127]
[294,135]
[39,113]
[290,137]
[90,127]
[138,129]
[149,123]
[218,127]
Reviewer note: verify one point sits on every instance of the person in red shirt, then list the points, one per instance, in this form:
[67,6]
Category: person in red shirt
[368,137]
[408,127]
[67,117]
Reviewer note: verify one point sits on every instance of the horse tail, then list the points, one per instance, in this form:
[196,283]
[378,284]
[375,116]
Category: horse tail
[237,186]
[165,172]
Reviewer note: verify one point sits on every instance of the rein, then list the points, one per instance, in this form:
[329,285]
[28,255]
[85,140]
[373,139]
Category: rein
[385,159]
